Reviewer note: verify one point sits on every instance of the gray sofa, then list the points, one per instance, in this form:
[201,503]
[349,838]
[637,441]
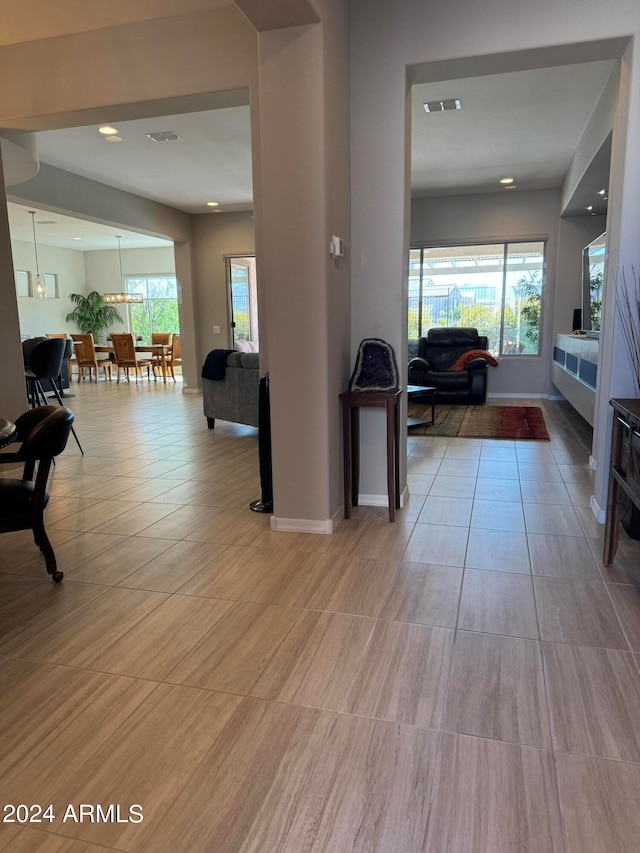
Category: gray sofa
[234,398]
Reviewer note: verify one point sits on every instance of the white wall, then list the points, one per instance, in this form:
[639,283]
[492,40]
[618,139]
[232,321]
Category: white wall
[217,235]
[41,316]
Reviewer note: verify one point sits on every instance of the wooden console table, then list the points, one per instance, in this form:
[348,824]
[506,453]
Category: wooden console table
[624,471]
[352,402]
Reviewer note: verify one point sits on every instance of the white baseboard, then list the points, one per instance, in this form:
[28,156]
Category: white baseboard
[373,500]
[186,390]
[302,525]
[600,514]
[383,500]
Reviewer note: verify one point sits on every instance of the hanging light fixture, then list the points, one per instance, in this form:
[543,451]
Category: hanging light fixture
[122,298]
[39,288]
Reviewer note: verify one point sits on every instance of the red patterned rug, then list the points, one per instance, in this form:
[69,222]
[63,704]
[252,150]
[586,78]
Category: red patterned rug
[513,422]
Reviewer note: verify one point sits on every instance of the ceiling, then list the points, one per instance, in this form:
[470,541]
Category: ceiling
[524,125]
[211,160]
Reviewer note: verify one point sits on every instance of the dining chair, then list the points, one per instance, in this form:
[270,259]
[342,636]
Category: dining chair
[87,359]
[69,354]
[160,361]
[44,432]
[45,363]
[175,356]
[126,358]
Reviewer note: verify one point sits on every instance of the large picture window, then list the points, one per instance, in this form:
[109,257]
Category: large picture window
[159,311]
[496,288]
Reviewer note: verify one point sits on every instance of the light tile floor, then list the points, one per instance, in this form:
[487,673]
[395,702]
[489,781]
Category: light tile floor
[461,680]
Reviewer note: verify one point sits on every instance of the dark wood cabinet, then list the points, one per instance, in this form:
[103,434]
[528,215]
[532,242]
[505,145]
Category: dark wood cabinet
[624,474]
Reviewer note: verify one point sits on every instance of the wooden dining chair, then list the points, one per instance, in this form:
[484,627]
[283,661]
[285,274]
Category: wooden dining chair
[160,361]
[87,359]
[126,358]
[175,356]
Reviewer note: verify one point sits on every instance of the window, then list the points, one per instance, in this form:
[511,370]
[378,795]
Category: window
[496,288]
[51,284]
[23,282]
[159,311]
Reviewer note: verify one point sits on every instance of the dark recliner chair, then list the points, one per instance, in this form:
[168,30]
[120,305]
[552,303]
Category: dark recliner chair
[437,352]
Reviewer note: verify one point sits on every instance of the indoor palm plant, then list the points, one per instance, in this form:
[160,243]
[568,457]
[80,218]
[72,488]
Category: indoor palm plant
[92,315]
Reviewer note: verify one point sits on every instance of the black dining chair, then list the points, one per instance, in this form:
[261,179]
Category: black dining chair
[45,362]
[44,432]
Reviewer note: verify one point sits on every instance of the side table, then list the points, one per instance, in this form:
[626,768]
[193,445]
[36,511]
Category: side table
[422,391]
[352,402]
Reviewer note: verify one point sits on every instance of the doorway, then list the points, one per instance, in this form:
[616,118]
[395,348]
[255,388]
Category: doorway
[243,299]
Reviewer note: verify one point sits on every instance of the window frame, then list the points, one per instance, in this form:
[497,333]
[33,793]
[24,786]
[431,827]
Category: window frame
[507,245]
[129,286]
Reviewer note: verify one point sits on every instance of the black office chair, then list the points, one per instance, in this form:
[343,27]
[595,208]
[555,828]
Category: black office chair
[44,432]
[45,362]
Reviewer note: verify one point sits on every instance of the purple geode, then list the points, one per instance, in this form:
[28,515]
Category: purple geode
[375,368]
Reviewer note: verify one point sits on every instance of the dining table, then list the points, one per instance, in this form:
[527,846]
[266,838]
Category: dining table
[160,351]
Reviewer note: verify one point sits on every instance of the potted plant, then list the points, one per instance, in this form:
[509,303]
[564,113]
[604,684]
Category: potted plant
[92,315]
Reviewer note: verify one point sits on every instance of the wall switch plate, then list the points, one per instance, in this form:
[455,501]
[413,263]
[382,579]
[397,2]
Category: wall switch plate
[216,330]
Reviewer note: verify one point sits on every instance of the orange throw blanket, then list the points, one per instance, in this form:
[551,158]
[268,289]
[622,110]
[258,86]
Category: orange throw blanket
[461,363]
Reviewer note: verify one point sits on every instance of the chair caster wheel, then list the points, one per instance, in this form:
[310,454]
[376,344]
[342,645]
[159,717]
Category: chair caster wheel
[57,576]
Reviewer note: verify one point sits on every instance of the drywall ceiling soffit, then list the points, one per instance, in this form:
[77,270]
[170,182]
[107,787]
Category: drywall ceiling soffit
[59,230]
[20,160]
[595,179]
[32,20]
[139,110]
[525,125]
[277,14]
[519,60]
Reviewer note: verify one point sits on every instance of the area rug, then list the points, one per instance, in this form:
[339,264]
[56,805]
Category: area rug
[514,422]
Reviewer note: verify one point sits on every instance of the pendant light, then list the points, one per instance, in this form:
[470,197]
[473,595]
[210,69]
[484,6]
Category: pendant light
[122,298]
[39,288]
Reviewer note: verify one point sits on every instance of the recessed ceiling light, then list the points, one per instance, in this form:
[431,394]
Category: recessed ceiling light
[442,106]
[77,238]
[506,180]
[107,130]
[163,136]
[510,187]
[590,207]
[213,203]
[602,192]
[113,139]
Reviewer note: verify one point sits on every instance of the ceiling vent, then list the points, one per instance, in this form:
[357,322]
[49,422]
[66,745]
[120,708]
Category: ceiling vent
[163,136]
[442,106]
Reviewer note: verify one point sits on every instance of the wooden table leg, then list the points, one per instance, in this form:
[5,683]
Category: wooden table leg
[612,528]
[346,457]
[397,453]
[355,455]
[391,455]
